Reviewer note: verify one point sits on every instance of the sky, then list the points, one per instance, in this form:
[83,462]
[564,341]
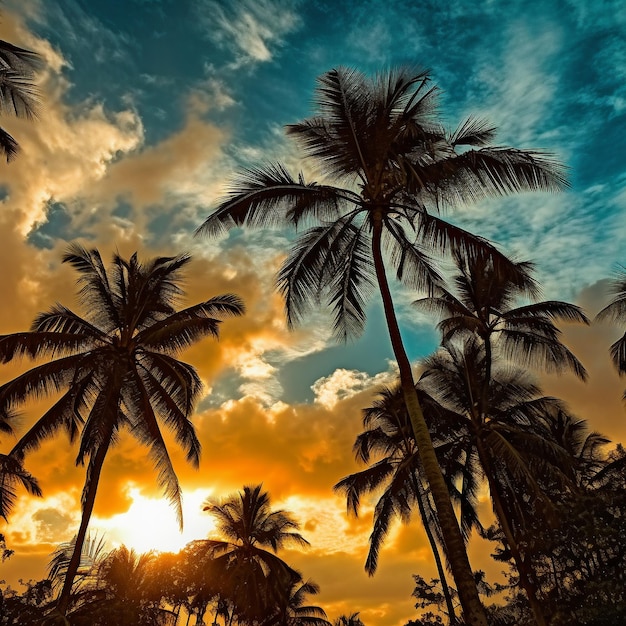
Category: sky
[149,107]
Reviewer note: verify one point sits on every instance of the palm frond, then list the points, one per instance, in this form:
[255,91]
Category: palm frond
[147,431]
[414,267]
[352,285]
[266,197]
[12,473]
[183,328]
[8,145]
[311,262]
[473,132]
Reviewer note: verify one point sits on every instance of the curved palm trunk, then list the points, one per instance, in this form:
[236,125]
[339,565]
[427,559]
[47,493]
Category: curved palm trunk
[473,610]
[525,579]
[419,495]
[89,499]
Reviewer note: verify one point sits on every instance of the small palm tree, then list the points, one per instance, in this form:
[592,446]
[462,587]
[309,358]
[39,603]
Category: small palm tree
[12,474]
[18,93]
[115,368]
[616,311]
[395,166]
[292,610]
[349,620]
[256,577]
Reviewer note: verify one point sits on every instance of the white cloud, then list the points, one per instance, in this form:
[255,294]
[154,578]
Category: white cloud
[252,29]
[343,384]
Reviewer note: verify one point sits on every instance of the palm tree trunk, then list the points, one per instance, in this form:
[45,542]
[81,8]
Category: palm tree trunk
[419,495]
[88,504]
[525,580]
[473,610]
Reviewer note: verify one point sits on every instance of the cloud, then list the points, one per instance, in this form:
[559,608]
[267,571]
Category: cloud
[343,384]
[252,30]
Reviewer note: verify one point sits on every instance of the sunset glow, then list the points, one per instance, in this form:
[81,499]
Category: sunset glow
[148,111]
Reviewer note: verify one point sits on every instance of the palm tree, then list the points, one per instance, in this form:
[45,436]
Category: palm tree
[12,473]
[256,578]
[115,368]
[349,620]
[292,611]
[380,138]
[484,307]
[616,311]
[18,94]
[506,429]
[388,446]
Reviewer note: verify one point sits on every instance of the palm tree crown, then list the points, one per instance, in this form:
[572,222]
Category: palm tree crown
[253,575]
[381,138]
[115,368]
[484,306]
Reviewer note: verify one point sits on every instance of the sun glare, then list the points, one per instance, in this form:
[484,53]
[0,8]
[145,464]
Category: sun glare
[150,523]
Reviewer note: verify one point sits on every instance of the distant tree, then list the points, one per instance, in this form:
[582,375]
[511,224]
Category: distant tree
[291,609]
[254,577]
[12,473]
[349,620]
[27,608]
[115,368]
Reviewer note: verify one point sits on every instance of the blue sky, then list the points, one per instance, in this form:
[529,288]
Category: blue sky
[150,106]
[549,75]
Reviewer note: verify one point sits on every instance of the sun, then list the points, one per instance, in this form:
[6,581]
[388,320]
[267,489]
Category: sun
[150,523]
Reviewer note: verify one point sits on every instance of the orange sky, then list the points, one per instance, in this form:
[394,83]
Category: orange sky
[90,158]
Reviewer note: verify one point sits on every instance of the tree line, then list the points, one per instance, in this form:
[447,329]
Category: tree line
[472,416]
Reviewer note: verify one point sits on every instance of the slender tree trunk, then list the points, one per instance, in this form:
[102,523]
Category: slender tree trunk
[525,580]
[473,610]
[89,499]
[435,549]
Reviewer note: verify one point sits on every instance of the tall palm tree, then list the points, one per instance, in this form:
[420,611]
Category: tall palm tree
[616,311]
[255,576]
[380,140]
[115,368]
[18,94]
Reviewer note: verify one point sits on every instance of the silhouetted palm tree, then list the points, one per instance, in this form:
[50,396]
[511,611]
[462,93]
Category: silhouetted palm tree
[388,446]
[503,425]
[255,578]
[292,610]
[483,306]
[18,93]
[115,368]
[616,311]
[349,620]
[379,137]
[12,473]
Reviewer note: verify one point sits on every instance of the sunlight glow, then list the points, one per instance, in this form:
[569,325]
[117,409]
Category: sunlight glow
[150,523]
